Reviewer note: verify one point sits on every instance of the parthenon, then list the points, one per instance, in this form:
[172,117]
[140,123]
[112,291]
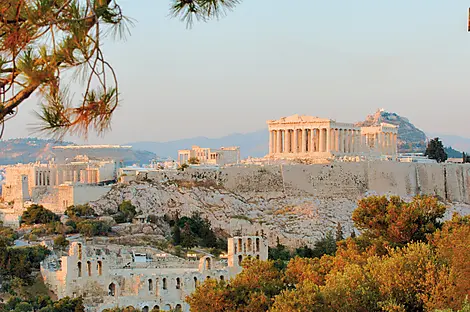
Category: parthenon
[312,137]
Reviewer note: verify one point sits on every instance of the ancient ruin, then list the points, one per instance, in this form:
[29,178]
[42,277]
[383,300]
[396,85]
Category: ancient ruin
[310,137]
[209,156]
[109,276]
[59,185]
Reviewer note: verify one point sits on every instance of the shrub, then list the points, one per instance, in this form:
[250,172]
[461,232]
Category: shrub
[37,214]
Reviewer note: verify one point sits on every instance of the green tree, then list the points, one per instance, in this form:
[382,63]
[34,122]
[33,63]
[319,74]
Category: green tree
[40,40]
[188,240]
[37,214]
[325,246]
[7,236]
[92,228]
[435,150]
[79,211]
[465,158]
[176,235]
[61,242]
[126,212]
[279,254]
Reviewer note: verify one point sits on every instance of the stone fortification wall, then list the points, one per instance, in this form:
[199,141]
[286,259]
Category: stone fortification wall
[451,182]
[297,203]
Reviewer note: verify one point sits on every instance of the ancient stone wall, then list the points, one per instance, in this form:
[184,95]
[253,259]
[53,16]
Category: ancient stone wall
[451,182]
[297,203]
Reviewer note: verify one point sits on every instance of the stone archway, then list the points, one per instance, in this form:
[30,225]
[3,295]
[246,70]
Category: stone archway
[112,290]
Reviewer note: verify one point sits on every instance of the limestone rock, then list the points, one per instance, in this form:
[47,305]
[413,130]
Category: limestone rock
[297,203]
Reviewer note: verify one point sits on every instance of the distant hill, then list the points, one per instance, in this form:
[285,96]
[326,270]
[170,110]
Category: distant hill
[410,138]
[452,153]
[457,142]
[255,144]
[26,150]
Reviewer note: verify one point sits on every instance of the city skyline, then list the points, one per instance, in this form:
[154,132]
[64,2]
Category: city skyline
[342,62]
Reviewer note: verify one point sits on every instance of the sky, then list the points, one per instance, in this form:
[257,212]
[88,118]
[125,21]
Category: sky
[270,58]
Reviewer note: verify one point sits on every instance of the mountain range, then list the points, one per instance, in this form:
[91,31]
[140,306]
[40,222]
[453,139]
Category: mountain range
[254,144]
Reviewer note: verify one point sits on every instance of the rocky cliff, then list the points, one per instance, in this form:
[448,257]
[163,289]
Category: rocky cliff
[410,138]
[297,203]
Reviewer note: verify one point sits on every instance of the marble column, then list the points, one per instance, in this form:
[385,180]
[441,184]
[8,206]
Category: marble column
[341,141]
[336,140]
[313,141]
[327,148]
[270,142]
[389,145]
[395,143]
[295,149]
[287,148]
[352,142]
[321,140]
[358,142]
[304,140]
[279,141]
[347,141]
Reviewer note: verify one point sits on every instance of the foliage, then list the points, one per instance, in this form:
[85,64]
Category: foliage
[417,268]
[281,255]
[7,236]
[37,214]
[92,228]
[60,242]
[40,40]
[126,212]
[435,150]
[250,290]
[80,211]
[43,304]
[20,262]
[183,167]
[465,158]
[193,161]
[339,232]
[199,232]
[187,238]
[395,221]
[176,235]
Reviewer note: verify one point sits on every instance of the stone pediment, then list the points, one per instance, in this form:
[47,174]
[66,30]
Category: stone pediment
[298,119]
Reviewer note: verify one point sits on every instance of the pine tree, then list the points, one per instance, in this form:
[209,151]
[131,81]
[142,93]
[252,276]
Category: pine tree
[188,239]
[176,235]
[435,150]
[40,40]
[339,232]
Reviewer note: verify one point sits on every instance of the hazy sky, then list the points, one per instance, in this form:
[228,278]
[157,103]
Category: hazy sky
[273,58]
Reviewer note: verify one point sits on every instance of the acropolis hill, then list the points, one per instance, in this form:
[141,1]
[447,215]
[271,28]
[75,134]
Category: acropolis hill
[297,203]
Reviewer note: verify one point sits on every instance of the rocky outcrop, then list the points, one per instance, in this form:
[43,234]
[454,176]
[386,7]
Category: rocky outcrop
[297,203]
[410,138]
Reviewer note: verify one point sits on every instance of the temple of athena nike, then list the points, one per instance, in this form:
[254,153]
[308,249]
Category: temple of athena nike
[317,139]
